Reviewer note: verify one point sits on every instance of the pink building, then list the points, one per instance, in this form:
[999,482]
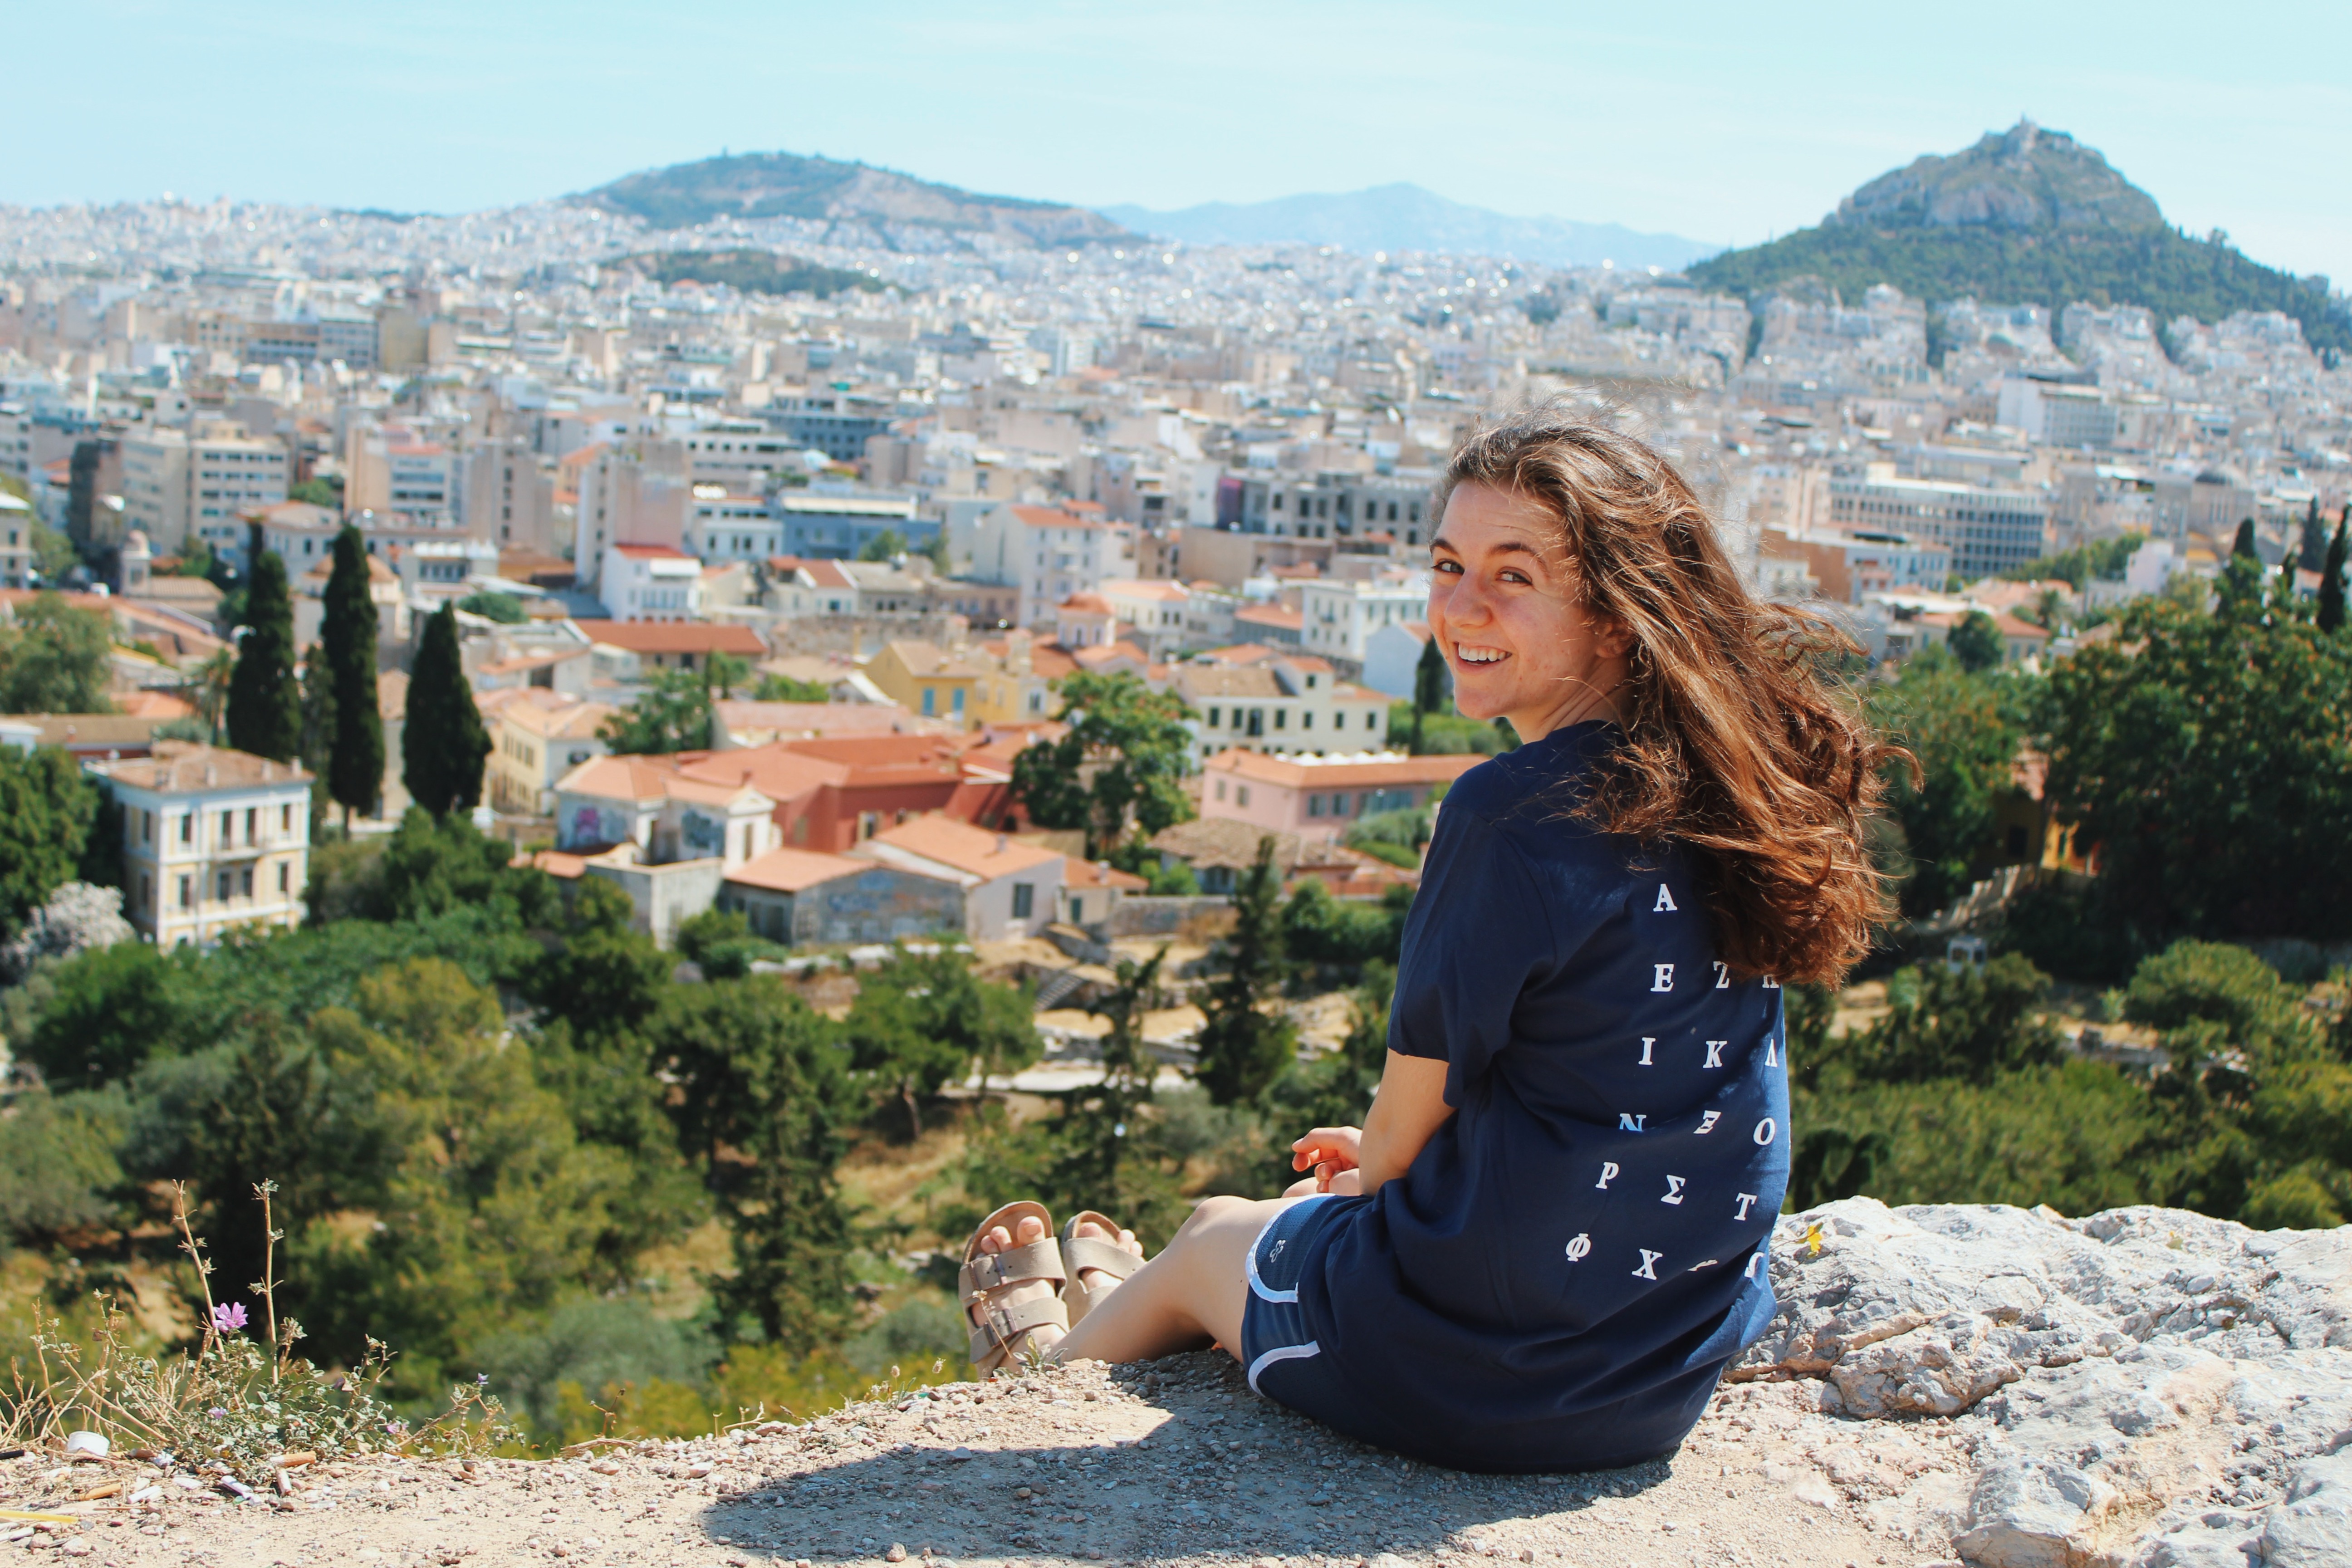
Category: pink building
[1320,797]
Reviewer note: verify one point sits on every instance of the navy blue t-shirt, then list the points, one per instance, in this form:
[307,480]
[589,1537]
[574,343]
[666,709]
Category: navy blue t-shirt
[1568,1265]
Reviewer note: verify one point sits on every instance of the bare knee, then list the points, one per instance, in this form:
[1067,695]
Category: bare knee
[1208,1214]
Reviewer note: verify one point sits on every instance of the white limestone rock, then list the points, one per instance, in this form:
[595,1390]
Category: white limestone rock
[2148,1388]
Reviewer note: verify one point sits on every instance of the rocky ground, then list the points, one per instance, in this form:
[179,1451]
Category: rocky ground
[2142,1389]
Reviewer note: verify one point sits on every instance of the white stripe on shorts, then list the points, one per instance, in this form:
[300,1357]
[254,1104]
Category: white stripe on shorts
[1280,1352]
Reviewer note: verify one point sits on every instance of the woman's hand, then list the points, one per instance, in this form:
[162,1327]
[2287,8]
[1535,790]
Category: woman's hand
[1328,1151]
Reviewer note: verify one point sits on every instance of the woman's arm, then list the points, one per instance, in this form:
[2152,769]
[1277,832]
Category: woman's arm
[1409,1106]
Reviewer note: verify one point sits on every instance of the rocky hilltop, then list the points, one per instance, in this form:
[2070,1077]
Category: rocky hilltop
[2145,1388]
[752,186]
[2025,179]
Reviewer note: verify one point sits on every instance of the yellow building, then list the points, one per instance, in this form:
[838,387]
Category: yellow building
[1017,673]
[923,679]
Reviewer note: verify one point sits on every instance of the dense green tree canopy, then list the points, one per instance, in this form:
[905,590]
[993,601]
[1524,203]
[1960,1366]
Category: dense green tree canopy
[265,701]
[1122,764]
[53,658]
[673,715]
[2208,758]
[347,638]
[47,809]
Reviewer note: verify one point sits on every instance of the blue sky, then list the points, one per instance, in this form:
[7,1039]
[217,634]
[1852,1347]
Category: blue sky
[1722,121]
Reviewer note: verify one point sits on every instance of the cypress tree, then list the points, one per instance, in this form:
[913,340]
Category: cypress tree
[265,706]
[2315,539]
[1428,686]
[443,743]
[2331,577]
[2245,544]
[347,641]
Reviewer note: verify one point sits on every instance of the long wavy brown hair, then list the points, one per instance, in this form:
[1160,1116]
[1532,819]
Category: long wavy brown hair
[1736,744]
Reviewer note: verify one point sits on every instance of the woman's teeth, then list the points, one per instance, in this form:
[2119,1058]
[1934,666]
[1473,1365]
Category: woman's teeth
[1479,655]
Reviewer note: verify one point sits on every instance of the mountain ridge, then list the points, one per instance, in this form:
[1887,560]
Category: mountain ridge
[786,184]
[1400,216]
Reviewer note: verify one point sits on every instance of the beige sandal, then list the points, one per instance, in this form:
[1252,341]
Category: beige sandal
[1016,1291]
[1109,1262]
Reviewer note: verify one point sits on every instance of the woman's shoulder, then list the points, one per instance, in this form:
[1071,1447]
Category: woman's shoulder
[1535,788]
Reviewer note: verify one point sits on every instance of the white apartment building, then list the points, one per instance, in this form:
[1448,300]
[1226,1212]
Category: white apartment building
[16,440]
[1047,553]
[650,583]
[177,488]
[212,840]
[1337,618]
[2056,414]
[723,525]
[1988,531]
[1278,704]
[738,454]
[1150,611]
[16,542]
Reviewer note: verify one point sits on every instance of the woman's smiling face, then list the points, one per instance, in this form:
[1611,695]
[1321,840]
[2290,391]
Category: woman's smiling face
[1507,611]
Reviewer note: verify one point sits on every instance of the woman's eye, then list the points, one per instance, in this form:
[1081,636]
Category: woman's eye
[1452,568]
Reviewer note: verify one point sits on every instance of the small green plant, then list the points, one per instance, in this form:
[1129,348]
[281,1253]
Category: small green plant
[235,1402]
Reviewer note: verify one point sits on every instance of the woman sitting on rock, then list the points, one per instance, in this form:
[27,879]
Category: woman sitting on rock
[1547,1239]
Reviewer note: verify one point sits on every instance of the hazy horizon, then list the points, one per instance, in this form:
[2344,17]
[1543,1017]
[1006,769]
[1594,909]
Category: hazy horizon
[1701,125]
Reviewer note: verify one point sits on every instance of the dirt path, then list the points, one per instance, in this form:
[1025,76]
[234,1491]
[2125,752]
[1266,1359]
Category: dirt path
[1177,1463]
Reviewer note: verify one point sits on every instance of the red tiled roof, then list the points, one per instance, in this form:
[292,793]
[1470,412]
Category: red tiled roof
[675,637]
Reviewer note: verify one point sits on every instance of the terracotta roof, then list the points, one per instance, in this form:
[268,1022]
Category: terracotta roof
[675,637]
[1085,605]
[812,720]
[791,871]
[1197,682]
[781,775]
[653,552]
[1221,841]
[155,705]
[927,659]
[1078,873]
[1308,662]
[1163,589]
[570,721]
[629,777]
[1049,517]
[556,863]
[1271,615]
[1316,773]
[1236,653]
[960,845]
[183,767]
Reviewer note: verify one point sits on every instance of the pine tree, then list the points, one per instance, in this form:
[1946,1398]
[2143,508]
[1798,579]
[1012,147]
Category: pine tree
[2245,544]
[1242,1049]
[265,706]
[443,743]
[347,639]
[2331,577]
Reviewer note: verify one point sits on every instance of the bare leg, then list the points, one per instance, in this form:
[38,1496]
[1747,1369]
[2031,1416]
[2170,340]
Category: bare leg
[1189,1295]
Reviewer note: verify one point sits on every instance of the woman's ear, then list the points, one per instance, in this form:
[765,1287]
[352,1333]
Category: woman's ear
[1611,638]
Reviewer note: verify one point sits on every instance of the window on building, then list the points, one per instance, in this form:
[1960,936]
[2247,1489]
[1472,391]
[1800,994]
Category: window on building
[252,821]
[1282,718]
[1371,720]
[1306,720]
[146,894]
[146,827]
[285,878]
[1025,900]
[188,827]
[1314,806]
[245,882]
[1220,789]
[955,702]
[227,881]
[187,892]
[1212,718]
[1241,795]
[285,819]
[870,823]
[930,701]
